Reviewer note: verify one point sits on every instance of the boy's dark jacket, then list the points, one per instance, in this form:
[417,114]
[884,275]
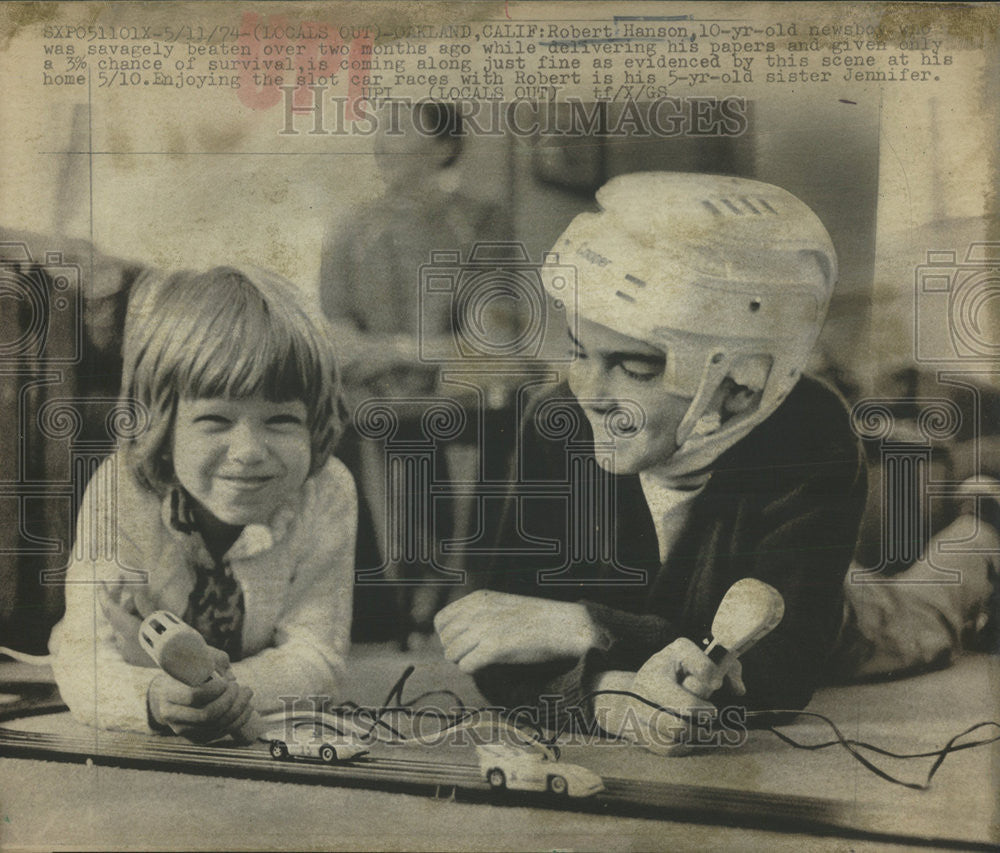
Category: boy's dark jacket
[782,505]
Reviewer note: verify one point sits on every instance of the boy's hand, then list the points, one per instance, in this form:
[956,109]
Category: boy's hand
[683,664]
[680,679]
[487,627]
[204,713]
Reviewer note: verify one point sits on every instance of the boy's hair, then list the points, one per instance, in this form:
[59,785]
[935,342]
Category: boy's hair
[222,333]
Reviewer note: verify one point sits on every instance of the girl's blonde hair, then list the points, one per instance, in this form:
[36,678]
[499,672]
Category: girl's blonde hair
[222,333]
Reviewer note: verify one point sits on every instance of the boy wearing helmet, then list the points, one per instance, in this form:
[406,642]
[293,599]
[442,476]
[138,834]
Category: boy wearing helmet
[700,298]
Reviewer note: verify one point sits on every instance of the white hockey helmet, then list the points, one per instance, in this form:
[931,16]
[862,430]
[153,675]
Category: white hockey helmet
[730,277]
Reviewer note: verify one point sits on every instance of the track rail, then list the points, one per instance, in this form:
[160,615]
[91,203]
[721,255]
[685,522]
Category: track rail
[643,798]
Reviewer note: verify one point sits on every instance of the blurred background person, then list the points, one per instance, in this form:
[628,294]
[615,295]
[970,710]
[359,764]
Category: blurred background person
[370,289]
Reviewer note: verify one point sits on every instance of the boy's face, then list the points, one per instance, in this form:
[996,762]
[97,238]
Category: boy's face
[613,370]
[241,459]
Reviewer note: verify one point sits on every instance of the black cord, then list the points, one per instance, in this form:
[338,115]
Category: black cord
[852,746]
[464,714]
[462,717]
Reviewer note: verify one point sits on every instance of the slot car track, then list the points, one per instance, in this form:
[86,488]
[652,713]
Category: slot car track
[461,782]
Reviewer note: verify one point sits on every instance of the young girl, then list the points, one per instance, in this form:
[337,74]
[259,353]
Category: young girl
[224,506]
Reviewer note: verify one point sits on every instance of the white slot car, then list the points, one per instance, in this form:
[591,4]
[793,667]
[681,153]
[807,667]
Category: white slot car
[314,739]
[535,767]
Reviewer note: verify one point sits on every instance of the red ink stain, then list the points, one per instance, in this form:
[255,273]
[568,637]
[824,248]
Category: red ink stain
[265,95]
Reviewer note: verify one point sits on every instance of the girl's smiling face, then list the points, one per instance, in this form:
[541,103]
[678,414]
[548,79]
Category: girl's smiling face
[241,459]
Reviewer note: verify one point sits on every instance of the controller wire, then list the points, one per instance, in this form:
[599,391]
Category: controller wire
[464,715]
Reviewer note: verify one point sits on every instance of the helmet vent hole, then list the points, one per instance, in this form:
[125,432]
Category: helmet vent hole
[717,358]
[712,208]
[754,305]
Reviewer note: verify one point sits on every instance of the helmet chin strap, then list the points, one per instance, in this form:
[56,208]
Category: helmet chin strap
[702,437]
[713,373]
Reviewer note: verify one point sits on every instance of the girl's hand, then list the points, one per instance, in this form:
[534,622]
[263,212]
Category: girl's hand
[487,627]
[204,713]
[125,623]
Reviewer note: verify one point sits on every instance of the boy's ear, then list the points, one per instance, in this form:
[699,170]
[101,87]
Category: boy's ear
[739,399]
[745,384]
[738,394]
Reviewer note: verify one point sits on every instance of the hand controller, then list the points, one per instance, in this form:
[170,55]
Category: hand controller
[182,653]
